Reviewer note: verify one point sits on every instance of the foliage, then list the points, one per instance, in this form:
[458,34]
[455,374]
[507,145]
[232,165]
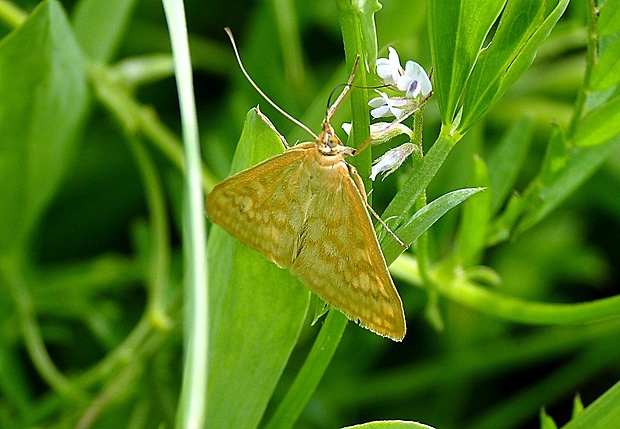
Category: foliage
[510,297]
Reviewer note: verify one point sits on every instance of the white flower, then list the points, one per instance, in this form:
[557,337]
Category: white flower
[389,69]
[391,160]
[386,106]
[346,126]
[374,128]
[414,81]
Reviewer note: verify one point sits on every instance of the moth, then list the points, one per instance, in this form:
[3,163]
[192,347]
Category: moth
[305,210]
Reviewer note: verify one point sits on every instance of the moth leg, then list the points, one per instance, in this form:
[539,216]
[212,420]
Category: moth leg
[360,187]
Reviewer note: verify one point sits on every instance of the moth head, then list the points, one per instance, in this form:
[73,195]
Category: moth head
[328,142]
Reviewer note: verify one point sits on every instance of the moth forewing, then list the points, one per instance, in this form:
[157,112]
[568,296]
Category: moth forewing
[340,259]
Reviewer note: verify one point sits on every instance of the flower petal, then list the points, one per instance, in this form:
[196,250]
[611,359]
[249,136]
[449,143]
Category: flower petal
[389,69]
[377,101]
[414,81]
[391,160]
[381,111]
[346,126]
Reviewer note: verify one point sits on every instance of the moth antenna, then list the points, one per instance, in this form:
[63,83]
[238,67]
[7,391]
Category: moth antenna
[274,105]
[331,94]
[347,86]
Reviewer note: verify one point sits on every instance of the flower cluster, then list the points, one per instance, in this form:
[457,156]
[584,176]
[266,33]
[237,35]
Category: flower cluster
[410,85]
[411,82]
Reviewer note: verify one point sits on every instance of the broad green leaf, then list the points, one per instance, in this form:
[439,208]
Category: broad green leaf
[422,220]
[257,309]
[609,18]
[600,125]
[100,25]
[603,413]
[44,94]
[390,424]
[519,20]
[506,160]
[475,218]
[605,72]
[457,31]
[511,52]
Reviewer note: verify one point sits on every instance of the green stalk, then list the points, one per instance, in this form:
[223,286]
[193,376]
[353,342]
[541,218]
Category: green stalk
[193,400]
[11,14]
[310,373]
[486,301]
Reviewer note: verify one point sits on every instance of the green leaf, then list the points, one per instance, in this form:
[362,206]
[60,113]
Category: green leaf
[511,52]
[605,72]
[457,32]
[390,424]
[422,220]
[403,201]
[44,98]
[563,170]
[609,18]
[528,53]
[475,219]
[546,422]
[555,156]
[99,26]
[600,125]
[506,160]
[520,19]
[577,406]
[603,413]
[257,309]
[503,226]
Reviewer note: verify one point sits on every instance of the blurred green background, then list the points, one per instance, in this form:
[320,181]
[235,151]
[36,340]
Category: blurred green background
[89,256]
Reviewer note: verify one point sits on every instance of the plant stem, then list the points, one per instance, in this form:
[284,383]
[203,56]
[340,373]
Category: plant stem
[532,313]
[311,372]
[136,118]
[193,398]
[504,307]
[591,58]
[11,271]
[160,254]
[11,14]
